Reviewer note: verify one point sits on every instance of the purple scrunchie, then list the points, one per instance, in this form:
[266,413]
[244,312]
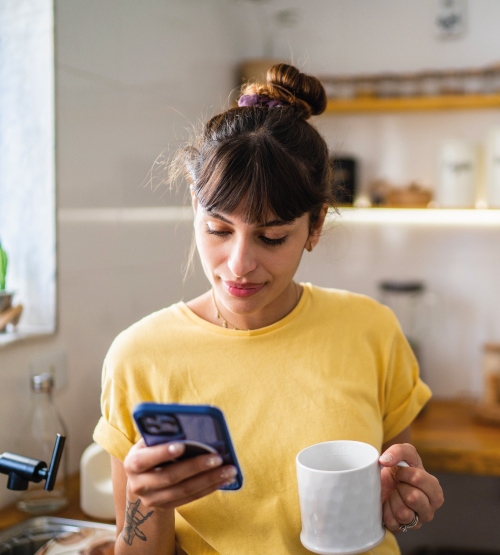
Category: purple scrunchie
[258,100]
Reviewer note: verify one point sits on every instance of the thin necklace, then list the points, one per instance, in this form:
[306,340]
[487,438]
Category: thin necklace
[228,325]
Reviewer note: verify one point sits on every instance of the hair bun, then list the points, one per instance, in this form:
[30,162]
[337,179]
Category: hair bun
[297,89]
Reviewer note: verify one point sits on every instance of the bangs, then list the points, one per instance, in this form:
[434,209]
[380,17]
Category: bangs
[253,172]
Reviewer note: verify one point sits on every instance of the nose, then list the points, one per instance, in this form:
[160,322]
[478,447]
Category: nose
[242,259]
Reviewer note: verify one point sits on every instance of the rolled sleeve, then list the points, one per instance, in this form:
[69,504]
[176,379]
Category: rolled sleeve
[405,393]
[116,431]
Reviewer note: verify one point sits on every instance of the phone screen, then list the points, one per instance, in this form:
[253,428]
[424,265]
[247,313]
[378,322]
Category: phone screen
[202,429]
[191,429]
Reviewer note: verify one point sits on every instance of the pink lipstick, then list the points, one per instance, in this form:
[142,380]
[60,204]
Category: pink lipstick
[242,289]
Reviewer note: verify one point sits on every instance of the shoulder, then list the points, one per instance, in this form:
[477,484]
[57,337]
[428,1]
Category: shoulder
[352,308]
[143,339]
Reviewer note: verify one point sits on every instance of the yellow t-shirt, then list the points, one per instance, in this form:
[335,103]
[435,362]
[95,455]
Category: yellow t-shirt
[336,367]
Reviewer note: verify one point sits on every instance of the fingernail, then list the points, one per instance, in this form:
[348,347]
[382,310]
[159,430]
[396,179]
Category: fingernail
[386,457]
[229,472]
[229,483]
[214,461]
[174,448]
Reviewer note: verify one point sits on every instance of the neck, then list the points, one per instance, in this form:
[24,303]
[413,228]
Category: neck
[267,316]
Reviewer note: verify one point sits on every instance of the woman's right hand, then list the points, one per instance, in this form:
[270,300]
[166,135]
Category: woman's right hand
[167,487]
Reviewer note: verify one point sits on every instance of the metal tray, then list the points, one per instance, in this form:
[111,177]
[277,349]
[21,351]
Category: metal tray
[27,537]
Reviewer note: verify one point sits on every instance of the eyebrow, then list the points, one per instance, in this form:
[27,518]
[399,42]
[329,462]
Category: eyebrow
[271,223]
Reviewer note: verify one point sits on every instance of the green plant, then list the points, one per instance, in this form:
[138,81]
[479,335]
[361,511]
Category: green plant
[3,268]
[270,22]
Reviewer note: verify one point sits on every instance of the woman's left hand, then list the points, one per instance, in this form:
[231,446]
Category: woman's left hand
[407,491]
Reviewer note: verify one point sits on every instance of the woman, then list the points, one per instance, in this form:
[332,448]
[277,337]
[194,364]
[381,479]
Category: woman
[289,364]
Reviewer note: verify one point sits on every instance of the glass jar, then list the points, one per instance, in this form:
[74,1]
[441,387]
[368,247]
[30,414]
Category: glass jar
[474,81]
[345,87]
[452,83]
[492,78]
[404,299]
[331,86]
[416,310]
[365,86]
[431,83]
[37,440]
[387,85]
[409,85]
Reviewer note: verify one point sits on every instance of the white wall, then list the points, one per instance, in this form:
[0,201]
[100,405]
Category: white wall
[459,264]
[365,36]
[132,76]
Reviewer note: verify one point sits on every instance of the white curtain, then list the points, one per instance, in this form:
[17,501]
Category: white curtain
[27,157]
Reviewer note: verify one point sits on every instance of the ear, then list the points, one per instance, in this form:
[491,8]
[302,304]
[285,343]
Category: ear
[316,229]
[194,200]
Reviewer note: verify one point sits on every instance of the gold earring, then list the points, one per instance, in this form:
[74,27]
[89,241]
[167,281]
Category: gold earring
[309,247]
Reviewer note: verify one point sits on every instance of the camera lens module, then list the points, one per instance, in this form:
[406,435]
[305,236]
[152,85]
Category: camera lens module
[162,424]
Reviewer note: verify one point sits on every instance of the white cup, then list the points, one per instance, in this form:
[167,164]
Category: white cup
[340,497]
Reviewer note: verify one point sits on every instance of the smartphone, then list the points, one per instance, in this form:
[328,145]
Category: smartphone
[201,428]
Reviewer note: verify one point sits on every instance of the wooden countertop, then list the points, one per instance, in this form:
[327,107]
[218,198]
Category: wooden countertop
[10,515]
[449,438]
[446,435]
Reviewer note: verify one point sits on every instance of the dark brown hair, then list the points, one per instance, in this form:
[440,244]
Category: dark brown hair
[271,161]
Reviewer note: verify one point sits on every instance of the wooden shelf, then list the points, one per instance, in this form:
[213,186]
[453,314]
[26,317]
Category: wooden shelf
[450,439]
[414,104]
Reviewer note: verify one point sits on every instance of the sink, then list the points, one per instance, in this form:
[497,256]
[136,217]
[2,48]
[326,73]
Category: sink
[26,538]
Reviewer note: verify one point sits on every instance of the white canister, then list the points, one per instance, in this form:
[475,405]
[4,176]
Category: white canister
[96,487]
[457,175]
[492,161]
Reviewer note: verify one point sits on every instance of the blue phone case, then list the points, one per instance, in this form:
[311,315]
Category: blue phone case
[202,428]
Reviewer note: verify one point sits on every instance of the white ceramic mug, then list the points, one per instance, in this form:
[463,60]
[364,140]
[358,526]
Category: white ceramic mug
[340,497]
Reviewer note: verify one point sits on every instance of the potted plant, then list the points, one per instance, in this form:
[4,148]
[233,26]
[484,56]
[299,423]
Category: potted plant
[8,314]
[269,23]
[5,297]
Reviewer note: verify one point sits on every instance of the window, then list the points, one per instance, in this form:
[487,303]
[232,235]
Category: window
[27,160]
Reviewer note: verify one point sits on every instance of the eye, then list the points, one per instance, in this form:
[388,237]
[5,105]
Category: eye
[273,242]
[216,232]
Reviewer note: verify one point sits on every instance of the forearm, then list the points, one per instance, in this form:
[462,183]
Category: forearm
[146,531]
[146,493]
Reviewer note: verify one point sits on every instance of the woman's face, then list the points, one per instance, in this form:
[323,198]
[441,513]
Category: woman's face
[251,267]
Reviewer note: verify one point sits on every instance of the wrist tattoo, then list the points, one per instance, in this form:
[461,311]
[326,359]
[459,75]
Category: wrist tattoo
[133,519]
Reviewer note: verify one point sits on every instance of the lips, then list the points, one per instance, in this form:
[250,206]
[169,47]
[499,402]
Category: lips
[242,289]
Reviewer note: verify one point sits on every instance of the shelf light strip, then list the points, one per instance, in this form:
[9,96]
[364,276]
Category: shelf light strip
[118,215]
[408,216]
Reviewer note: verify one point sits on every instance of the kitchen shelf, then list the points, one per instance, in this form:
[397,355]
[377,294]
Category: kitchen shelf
[419,216]
[414,104]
